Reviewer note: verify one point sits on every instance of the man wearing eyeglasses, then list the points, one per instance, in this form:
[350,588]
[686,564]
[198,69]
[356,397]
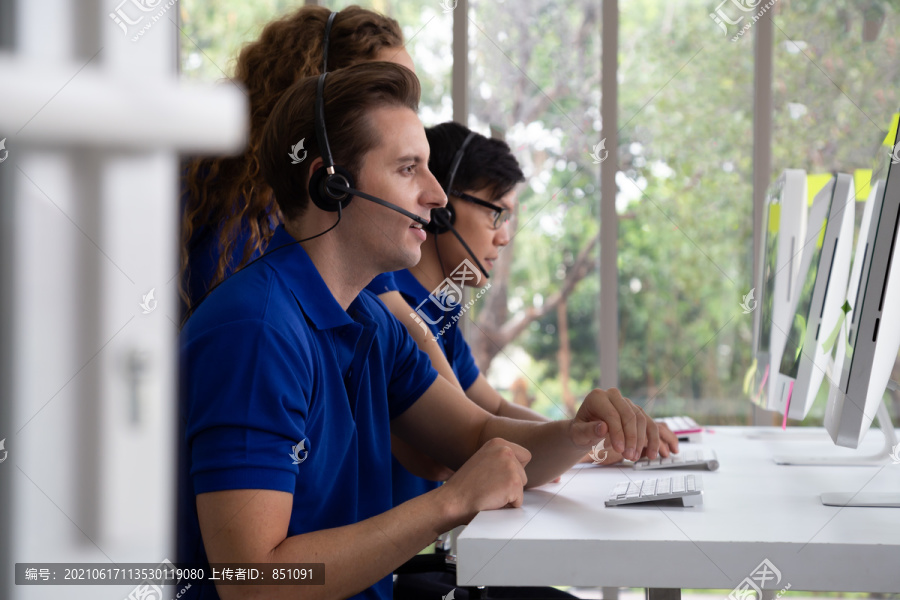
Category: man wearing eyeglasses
[481,197]
[479,176]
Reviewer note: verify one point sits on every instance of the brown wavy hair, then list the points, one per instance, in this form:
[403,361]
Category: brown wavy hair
[228,193]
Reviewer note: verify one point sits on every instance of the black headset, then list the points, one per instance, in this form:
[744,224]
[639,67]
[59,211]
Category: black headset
[331,187]
[443,218]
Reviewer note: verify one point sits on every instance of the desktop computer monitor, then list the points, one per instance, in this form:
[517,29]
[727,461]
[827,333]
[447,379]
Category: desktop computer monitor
[785,221]
[864,362]
[824,271]
[838,338]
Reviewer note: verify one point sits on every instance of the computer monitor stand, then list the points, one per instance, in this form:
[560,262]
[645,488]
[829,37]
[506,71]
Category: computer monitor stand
[873,460]
[869,499]
[795,434]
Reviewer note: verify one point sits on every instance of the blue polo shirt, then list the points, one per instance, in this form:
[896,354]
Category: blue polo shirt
[406,485]
[271,361]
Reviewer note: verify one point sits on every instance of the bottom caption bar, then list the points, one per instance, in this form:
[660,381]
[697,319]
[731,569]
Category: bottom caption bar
[168,573]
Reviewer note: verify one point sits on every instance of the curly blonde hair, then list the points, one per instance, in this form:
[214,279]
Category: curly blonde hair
[228,194]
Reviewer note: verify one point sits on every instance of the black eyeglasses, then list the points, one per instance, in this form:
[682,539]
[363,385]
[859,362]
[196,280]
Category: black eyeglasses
[501,214]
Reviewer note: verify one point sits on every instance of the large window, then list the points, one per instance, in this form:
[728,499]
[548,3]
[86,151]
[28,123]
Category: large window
[685,151]
[686,210]
[535,80]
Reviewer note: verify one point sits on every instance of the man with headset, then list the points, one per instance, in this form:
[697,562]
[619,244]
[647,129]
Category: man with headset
[296,377]
[479,175]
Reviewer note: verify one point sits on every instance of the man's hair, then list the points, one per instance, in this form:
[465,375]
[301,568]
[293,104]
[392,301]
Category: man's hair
[227,194]
[351,94]
[486,163]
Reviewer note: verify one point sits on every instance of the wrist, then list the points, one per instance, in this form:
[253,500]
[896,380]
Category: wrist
[575,433]
[451,510]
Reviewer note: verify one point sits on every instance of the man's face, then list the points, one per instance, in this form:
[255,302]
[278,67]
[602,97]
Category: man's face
[396,170]
[474,222]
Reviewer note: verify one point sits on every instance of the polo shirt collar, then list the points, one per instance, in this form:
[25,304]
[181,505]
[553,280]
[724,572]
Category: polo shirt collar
[316,301]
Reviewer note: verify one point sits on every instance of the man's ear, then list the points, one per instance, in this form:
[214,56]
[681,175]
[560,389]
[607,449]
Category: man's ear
[314,166]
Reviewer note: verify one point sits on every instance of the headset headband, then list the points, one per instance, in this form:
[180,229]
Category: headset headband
[456,160]
[321,134]
[326,42]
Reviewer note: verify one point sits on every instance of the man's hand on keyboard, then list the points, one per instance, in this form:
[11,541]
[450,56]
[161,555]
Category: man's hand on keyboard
[628,429]
[668,441]
[668,445]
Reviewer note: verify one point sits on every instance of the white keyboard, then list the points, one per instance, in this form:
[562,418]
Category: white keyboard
[702,459]
[688,489]
[685,428]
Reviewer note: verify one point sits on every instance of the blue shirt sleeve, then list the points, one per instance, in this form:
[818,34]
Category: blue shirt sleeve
[248,400]
[411,373]
[462,361]
[383,282]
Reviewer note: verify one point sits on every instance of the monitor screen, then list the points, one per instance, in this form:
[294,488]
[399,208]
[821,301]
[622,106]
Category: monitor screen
[785,228]
[767,295]
[864,363]
[818,223]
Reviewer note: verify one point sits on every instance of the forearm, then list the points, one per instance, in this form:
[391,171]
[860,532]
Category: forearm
[356,556]
[550,444]
[515,411]
[418,463]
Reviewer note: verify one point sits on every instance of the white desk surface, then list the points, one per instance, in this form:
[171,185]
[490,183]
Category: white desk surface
[752,510]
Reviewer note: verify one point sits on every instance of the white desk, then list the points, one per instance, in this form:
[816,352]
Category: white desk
[752,510]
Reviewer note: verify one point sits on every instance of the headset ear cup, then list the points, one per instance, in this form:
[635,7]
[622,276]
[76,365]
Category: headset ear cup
[328,199]
[442,219]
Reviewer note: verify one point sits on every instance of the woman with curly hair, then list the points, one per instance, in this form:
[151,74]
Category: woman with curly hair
[229,211]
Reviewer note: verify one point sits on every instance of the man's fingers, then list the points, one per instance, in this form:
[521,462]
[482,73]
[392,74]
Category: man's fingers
[604,408]
[629,424]
[521,454]
[668,438]
[523,476]
[641,427]
[653,441]
[584,434]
